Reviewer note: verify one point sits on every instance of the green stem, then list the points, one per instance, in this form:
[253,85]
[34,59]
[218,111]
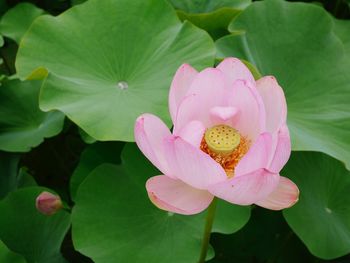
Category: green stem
[207,230]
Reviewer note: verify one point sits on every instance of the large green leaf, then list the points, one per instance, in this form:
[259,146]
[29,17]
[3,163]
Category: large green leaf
[27,232]
[295,42]
[22,124]
[115,66]
[18,19]
[230,218]
[321,218]
[132,223]
[113,221]
[212,16]
[94,155]
[342,29]
[7,256]
[215,23]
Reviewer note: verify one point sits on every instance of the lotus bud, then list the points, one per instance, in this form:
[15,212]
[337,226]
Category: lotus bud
[48,203]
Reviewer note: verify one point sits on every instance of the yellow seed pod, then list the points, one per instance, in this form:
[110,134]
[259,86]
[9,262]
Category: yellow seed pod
[222,139]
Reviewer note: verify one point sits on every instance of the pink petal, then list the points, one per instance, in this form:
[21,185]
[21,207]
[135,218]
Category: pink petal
[191,165]
[150,132]
[246,99]
[235,69]
[274,101]
[257,157]
[285,195]
[179,87]
[247,189]
[209,82]
[193,133]
[282,151]
[209,89]
[187,113]
[175,196]
[223,115]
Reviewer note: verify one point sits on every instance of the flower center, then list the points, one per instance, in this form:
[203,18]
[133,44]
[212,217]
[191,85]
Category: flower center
[222,139]
[225,145]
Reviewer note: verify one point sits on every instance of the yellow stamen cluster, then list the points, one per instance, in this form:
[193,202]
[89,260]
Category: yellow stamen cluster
[226,146]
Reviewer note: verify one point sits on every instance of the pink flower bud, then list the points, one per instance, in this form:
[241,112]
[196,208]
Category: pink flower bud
[48,203]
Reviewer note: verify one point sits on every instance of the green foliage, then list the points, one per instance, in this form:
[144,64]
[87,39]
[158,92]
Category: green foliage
[96,198]
[341,29]
[266,238]
[22,124]
[8,173]
[77,2]
[229,218]
[18,19]
[198,6]
[10,178]
[130,224]
[93,156]
[8,256]
[321,218]
[128,69]
[212,16]
[25,231]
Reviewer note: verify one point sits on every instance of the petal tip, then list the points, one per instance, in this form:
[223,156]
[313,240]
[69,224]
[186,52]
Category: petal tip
[186,66]
[140,120]
[175,196]
[284,196]
[231,59]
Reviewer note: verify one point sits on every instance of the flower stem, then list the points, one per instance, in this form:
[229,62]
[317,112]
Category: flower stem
[207,230]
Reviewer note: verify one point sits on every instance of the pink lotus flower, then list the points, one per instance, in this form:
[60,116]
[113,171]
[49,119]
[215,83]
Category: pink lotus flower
[48,203]
[229,140]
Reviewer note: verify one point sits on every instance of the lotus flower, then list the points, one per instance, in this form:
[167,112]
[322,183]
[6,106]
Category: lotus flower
[229,140]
